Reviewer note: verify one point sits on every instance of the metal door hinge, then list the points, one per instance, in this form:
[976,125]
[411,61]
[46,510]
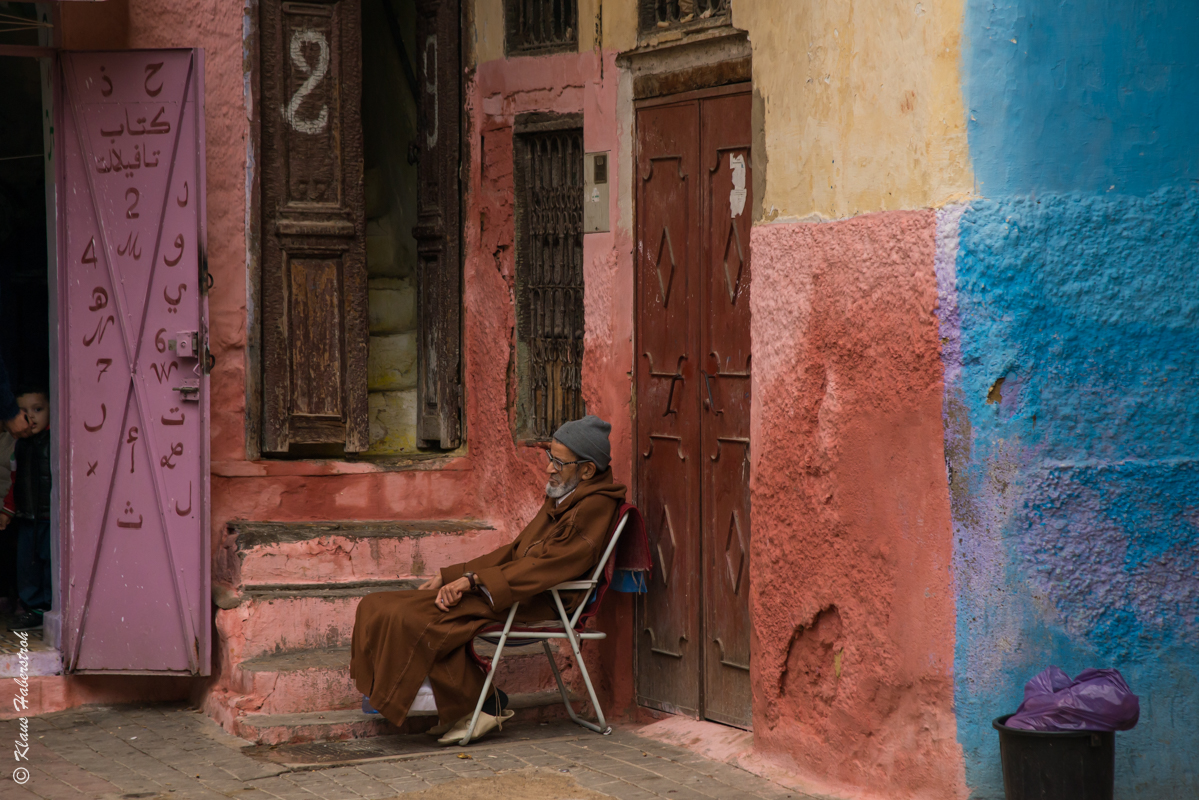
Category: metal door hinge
[209,359]
[206,282]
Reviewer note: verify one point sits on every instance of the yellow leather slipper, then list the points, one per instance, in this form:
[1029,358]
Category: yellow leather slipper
[486,724]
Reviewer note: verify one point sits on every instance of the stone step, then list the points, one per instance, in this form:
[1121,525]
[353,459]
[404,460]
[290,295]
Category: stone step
[319,680]
[272,553]
[287,594]
[288,618]
[329,726]
[288,683]
[314,726]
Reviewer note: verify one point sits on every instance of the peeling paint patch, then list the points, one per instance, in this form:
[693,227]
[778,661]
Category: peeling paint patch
[813,665]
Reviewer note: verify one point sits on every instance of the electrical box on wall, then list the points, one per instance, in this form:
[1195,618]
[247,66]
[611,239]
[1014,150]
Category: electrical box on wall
[595,192]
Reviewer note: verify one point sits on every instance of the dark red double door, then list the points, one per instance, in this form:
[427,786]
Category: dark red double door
[694,194]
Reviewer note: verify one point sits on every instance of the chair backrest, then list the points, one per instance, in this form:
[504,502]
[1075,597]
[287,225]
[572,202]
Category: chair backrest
[602,575]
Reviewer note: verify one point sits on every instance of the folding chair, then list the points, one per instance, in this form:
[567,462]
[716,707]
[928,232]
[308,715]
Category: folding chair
[569,627]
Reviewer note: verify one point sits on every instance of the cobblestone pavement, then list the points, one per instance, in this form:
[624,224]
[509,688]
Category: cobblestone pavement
[173,753]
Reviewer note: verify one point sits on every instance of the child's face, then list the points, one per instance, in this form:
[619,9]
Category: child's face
[37,408]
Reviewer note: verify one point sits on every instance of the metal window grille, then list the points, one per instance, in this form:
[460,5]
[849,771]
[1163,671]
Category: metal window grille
[549,275]
[542,25]
[665,13]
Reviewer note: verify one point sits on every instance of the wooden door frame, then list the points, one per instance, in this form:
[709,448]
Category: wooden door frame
[686,97]
[638,105]
[256,412]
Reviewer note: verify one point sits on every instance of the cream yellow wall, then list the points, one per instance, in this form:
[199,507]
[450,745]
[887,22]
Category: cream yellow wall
[619,23]
[862,104]
[488,31]
[860,101]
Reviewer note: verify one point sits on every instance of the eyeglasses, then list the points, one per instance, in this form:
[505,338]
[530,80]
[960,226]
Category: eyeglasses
[559,463]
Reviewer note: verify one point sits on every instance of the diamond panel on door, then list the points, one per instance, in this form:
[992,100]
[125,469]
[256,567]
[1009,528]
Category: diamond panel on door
[664,543]
[735,553]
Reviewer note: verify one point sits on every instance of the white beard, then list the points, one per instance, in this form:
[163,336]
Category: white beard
[561,490]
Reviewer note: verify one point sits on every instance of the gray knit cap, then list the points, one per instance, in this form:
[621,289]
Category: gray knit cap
[588,439]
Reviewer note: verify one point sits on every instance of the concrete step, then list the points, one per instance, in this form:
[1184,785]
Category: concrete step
[289,618]
[266,553]
[330,726]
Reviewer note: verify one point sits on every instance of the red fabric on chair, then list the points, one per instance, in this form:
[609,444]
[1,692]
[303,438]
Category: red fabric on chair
[632,553]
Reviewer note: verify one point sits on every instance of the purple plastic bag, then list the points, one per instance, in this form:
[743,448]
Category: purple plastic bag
[1096,700]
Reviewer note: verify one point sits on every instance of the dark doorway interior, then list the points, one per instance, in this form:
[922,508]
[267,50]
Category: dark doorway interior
[24,284]
[390,153]
[24,262]
[24,299]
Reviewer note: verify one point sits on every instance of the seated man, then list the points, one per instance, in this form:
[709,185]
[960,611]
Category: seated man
[403,638]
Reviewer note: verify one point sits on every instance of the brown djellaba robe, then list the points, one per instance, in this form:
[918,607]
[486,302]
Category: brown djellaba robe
[402,637]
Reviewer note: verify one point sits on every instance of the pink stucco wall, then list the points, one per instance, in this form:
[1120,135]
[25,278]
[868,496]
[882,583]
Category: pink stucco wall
[852,603]
[217,27]
[495,481]
[567,83]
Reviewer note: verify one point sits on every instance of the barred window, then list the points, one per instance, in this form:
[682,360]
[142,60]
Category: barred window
[549,274]
[541,26]
[656,14]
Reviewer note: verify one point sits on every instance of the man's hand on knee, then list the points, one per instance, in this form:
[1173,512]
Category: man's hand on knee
[18,426]
[451,594]
[433,583]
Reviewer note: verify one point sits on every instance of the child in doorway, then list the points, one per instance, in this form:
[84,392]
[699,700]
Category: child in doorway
[31,502]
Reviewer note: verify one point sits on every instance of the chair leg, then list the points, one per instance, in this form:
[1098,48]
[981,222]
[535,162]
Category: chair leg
[495,660]
[549,654]
[603,726]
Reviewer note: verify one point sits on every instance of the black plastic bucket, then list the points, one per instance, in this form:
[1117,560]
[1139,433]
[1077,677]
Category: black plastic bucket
[1056,765]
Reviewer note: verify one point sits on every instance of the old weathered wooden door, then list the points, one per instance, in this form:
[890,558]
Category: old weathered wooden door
[439,224]
[669,647]
[314,285]
[724,344]
[693,402]
[133,369]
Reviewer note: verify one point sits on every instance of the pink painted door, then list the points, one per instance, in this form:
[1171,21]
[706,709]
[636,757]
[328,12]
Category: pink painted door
[133,396]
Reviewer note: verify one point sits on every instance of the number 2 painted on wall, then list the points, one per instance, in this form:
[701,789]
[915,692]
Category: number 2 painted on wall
[315,76]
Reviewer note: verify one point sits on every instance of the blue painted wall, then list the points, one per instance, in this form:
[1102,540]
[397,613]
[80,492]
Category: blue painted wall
[1076,488]
[1091,95]
[1075,481]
